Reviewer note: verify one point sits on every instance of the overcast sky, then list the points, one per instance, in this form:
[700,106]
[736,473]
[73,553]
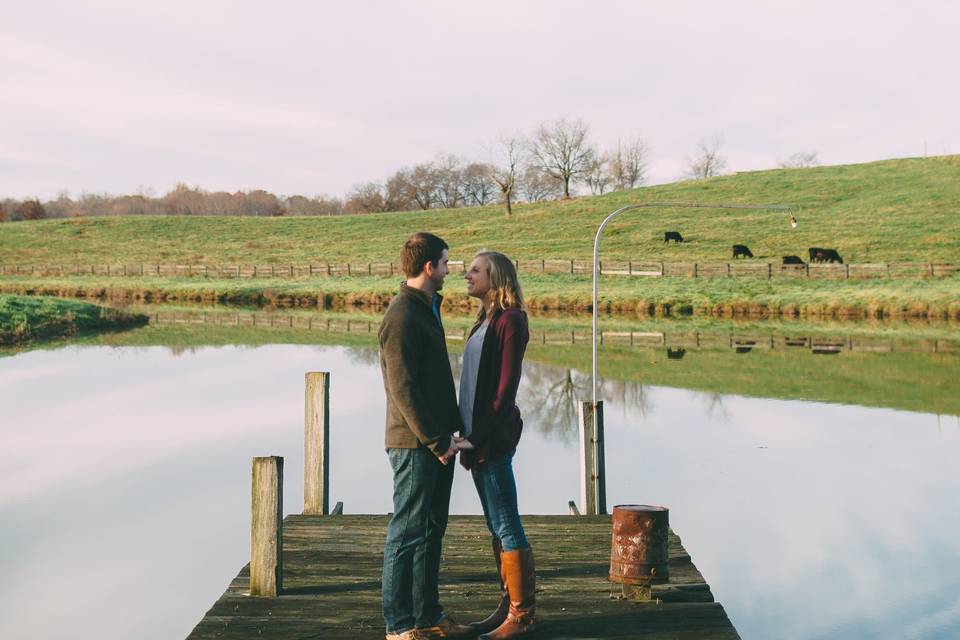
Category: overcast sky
[314,97]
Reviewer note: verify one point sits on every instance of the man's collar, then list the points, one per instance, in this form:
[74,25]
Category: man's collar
[421,295]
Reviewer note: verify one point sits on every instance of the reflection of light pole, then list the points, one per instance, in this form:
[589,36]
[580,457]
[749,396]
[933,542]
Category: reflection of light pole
[593,481]
[596,253]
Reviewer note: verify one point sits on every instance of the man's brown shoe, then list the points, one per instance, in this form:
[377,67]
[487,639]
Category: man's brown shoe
[448,628]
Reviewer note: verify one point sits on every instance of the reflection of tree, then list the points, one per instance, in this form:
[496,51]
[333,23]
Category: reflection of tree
[551,398]
[456,364]
[630,395]
[713,403]
[364,355]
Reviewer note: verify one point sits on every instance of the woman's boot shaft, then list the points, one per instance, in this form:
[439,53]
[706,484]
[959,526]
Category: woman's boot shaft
[496,618]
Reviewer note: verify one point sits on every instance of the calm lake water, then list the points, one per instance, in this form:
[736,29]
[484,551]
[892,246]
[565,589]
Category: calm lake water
[811,470]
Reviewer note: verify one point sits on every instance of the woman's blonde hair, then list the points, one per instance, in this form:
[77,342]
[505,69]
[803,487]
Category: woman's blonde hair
[505,291]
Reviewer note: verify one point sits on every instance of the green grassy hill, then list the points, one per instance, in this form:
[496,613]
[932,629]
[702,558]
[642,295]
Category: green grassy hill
[893,210]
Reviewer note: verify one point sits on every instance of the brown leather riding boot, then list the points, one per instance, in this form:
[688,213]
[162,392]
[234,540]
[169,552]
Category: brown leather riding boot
[496,618]
[518,574]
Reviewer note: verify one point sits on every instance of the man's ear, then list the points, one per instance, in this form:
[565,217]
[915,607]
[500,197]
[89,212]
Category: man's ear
[429,268]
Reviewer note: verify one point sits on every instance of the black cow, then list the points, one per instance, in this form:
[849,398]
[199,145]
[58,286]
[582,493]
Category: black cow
[742,250]
[818,254]
[676,353]
[672,235]
[792,260]
[744,346]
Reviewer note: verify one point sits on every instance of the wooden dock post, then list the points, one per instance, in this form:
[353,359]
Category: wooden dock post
[593,480]
[316,445]
[266,529]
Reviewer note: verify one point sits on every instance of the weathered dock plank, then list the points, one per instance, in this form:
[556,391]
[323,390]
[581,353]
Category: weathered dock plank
[331,585]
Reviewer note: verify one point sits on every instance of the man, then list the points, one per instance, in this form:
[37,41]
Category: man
[422,415]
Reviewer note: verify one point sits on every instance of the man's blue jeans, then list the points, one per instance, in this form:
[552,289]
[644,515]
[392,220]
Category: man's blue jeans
[497,489]
[411,556]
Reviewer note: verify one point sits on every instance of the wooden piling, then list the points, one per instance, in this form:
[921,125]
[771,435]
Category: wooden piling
[266,529]
[593,483]
[316,444]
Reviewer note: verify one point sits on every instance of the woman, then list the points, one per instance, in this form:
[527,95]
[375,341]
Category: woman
[489,379]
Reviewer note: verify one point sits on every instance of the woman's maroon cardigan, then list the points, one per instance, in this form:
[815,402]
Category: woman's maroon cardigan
[496,418]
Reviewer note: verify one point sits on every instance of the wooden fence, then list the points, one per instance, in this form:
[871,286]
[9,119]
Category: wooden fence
[744,269]
[639,339]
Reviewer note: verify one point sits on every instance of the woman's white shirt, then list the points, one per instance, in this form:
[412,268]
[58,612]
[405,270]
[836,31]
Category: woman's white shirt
[468,376]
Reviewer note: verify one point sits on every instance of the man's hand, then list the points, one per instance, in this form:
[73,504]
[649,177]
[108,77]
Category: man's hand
[450,454]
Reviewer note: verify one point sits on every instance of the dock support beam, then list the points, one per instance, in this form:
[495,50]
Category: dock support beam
[593,480]
[266,530]
[316,445]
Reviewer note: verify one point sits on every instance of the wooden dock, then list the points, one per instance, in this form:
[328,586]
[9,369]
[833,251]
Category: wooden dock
[331,585]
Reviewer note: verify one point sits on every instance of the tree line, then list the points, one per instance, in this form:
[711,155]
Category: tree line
[546,164]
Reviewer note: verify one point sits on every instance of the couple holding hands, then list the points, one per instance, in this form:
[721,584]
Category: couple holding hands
[423,416]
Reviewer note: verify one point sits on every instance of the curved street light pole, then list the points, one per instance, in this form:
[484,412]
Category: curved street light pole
[650,205]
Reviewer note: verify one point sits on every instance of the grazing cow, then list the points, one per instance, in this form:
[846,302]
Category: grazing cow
[744,346]
[742,250]
[672,235]
[676,353]
[792,260]
[818,254]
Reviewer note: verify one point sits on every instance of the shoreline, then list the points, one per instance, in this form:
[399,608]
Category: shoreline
[816,300]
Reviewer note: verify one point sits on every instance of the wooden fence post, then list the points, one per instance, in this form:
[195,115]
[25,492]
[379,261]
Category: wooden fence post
[266,530]
[316,445]
[593,483]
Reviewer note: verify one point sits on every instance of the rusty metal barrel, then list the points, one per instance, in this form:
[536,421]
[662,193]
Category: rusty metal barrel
[638,551]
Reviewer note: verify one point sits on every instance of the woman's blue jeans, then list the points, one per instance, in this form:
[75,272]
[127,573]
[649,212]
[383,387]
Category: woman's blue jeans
[497,489]
[411,556]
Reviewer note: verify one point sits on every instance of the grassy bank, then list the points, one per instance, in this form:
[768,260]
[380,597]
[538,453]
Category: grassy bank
[894,210]
[25,319]
[642,296]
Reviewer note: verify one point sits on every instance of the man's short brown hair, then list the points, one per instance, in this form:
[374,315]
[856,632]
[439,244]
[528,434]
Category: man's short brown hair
[418,250]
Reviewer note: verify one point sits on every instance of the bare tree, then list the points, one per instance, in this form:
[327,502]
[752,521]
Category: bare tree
[448,185]
[801,160]
[397,192]
[628,164]
[561,149]
[31,210]
[597,176]
[505,170]
[321,205]
[365,198]
[478,184]
[536,185]
[707,162]
[422,185]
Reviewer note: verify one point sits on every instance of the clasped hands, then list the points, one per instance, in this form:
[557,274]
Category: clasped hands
[457,444]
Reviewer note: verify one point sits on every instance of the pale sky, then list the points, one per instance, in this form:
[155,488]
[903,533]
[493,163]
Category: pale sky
[314,97]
